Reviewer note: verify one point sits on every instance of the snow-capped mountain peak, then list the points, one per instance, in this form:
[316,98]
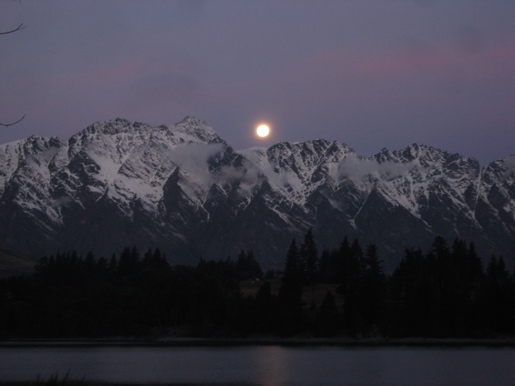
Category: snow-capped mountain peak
[184,189]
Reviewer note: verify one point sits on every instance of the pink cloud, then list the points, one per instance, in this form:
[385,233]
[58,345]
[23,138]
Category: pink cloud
[117,71]
[452,64]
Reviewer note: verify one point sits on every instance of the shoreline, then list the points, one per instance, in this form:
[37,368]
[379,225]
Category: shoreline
[293,342]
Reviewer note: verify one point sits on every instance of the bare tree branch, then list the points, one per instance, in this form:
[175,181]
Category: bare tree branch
[13,123]
[20,27]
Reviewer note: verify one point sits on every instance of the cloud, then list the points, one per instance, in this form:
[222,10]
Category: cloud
[247,176]
[194,158]
[509,163]
[363,169]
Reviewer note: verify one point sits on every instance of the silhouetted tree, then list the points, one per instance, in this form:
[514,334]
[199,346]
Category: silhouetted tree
[413,295]
[154,260]
[292,281]
[248,267]
[265,307]
[499,297]
[129,263]
[372,293]
[290,317]
[309,256]
[327,321]
[351,275]
[443,293]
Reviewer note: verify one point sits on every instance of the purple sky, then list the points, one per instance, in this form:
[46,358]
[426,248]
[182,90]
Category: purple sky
[372,74]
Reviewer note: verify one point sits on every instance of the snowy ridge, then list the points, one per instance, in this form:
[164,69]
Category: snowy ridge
[183,188]
[297,169]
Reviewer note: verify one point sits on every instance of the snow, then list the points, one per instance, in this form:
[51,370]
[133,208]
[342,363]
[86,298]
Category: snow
[124,161]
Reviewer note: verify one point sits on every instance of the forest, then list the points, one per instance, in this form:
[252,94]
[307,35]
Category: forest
[341,292]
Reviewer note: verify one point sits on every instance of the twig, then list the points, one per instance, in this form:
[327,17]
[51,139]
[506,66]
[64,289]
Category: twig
[20,27]
[12,123]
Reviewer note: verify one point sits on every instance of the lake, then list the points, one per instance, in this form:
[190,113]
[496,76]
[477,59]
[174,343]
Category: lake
[270,365]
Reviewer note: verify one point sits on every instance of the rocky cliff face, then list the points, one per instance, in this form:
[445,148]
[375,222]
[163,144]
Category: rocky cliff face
[185,190]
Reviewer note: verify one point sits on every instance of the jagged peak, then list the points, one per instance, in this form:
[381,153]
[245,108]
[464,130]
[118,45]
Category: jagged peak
[341,146]
[192,121]
[316,150]
[385,155]
[432,159]
[418,151]
[506,160]
[423,153]
[197,128]
[33,144]
[316,145]
[191,125]
[113,127]
[504,166]
[299,144]
[122,135]
[415,151]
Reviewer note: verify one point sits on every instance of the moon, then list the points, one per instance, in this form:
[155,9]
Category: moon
[263,131]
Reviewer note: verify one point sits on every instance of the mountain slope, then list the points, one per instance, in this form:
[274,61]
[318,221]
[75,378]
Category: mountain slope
[185,190]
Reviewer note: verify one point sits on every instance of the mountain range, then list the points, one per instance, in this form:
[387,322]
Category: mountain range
[185,190]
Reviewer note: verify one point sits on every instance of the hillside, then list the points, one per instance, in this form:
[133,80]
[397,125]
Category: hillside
[184,189]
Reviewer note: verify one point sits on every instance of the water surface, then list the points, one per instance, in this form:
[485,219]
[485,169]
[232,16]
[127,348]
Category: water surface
[271,365]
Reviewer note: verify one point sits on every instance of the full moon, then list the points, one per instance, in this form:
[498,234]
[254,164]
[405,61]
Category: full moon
[263,130]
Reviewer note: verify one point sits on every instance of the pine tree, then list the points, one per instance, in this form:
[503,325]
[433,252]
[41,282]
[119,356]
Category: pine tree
[290,317]
[129,263]
[89,263]
[309,255]
[327,321]
[292,281]
[340,259]
[372,296]
[113,265]
[247,266]
[265,307]
[499,297]
[154,260]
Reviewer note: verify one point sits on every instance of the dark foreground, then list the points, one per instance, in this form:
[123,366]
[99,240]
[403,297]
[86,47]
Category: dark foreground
[221,343]
[341,295]
[72,382]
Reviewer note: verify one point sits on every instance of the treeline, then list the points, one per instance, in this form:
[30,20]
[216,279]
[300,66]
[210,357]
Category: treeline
[340,292]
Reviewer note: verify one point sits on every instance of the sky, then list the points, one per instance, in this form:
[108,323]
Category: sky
[369,73]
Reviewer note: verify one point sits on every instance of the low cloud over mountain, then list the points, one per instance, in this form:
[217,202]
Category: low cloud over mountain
[184,189]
